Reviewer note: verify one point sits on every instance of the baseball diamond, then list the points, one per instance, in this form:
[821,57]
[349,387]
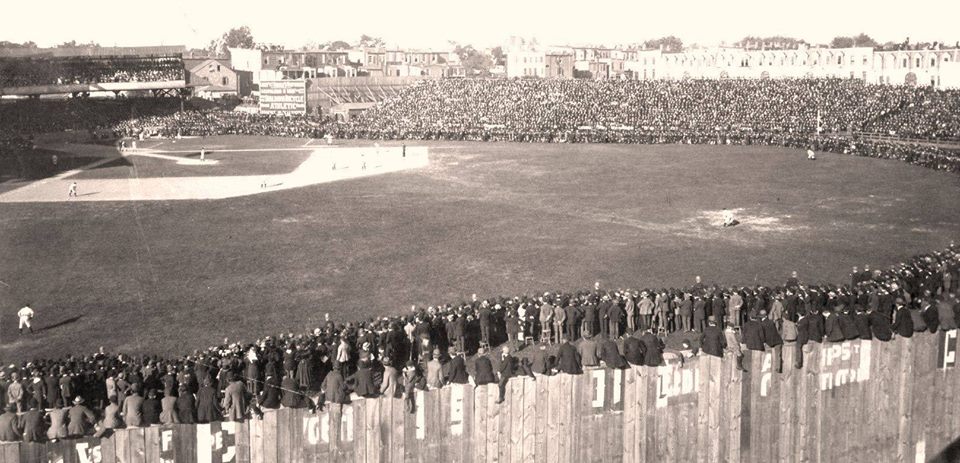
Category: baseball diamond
[362,252]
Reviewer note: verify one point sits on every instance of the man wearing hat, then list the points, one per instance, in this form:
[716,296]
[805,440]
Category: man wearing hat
[902,320]
[653,349]
[772,339]
[568,360]
[434,371]
[10,427]
[712,340]
[752,334]
[589,351]
[456,369]
[734,304]
[81,418]
[546,322]
[483,369]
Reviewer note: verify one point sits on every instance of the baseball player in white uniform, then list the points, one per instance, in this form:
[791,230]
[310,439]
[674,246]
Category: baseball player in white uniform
[72,192]
[25,314]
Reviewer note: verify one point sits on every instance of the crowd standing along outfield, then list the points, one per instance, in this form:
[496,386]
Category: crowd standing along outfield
[429,348]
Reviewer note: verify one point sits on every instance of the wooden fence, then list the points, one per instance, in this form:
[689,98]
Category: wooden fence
[856,401]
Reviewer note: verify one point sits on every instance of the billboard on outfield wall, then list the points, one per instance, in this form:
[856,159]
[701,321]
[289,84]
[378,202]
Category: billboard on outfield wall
[283,96]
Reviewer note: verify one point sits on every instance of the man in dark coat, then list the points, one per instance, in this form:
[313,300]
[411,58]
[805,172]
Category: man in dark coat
[603,313]
[931,317]
[902,320]
[270,395]
[34,428]
[610,354]
[880,325]
[362,380]
[485,315]
[633,350]
[568,360]
[752,334]
[456,370]
[718,309]
[573,321]
[290,395]
[483,369]
[11,428]
[510,366]
[712,340]
[817,326]
[862,321]
[653,348]
[832,326]
[848,324]
[333,390]
[772,339]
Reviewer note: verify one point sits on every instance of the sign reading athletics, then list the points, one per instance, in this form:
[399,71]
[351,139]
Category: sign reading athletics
[283,97]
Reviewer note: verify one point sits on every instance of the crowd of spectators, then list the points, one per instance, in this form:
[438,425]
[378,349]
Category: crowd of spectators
[24,72]
[488,340]
[545,333]
[698,108]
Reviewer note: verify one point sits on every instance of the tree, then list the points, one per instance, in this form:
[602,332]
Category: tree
[475,62]
[669,44]
[367,41]
[338,45]
[6,44]
[74,44]
[499,57]
[864,40]
[841,42]
[238,37]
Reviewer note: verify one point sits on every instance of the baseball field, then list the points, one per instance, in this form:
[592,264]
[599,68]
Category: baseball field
[162,253]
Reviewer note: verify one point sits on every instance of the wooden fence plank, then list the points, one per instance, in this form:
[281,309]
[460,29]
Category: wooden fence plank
[271,441]
[412,430]
[396,442]
[151,444]
[443,423]
[243,443]
[630,412]
[493,424]
[347,439]
[137,444]
[255,428]
[529,420]
[31,451]
[467,407]
[480,424]
[360,429]
[564,412]
[108,449]
[371,429]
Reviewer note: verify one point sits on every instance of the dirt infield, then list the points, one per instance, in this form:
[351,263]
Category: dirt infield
[324,164]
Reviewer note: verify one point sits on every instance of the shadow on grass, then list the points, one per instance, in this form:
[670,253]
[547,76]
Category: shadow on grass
[59,323]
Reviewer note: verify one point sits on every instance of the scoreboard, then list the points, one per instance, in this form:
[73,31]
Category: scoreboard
[283,97]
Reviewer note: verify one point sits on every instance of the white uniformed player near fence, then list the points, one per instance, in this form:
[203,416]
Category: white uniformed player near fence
[811,155]
[25,314]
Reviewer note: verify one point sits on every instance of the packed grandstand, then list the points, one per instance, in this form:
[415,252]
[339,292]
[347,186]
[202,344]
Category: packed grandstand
[429,346]
[43,70]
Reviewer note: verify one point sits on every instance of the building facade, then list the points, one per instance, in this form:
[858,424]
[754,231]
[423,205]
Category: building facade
[935,67]
[213,78]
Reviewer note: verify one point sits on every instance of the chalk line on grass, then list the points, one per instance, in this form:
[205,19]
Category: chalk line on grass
[323,165]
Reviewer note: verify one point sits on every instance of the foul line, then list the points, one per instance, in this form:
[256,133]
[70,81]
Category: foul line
[242,150]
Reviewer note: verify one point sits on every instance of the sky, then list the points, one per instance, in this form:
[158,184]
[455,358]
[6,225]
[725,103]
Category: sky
[432,23]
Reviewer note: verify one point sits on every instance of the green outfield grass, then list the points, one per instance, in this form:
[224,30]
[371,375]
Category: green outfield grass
[489,219]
